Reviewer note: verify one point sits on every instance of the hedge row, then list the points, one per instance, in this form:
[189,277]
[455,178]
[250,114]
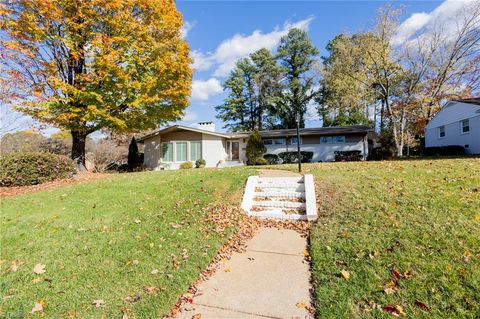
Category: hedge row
[20,169]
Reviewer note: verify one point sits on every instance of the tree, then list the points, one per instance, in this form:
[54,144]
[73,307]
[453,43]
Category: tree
[253,90]
[88,65]
[133,154]
[268,75]
[346,92]
[22,141]
[255,147]
[297,55]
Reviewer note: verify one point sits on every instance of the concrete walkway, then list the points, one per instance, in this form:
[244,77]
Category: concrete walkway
[269,280]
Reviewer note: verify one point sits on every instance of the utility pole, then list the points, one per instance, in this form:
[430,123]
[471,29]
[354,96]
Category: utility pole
[297,117]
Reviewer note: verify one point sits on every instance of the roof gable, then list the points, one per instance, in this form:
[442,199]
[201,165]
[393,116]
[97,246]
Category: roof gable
[454,111]
[181,128]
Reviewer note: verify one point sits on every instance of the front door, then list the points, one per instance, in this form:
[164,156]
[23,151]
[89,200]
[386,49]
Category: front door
[235,151]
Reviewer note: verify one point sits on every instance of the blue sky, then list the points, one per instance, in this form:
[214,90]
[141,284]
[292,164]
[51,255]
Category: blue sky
[218,32]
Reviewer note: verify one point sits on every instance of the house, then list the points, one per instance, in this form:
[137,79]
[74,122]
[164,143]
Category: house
[457,123]
[167,148]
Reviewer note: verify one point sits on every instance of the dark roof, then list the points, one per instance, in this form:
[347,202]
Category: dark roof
[335,130]
[178,127]
[472,100]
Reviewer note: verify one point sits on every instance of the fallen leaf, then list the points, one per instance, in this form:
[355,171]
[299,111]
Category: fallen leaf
[39,269]
[300,305]
[150,290]
[37,308]
[345,274]
[422,306]
[36,280]
[135,262]
[227,270]
[154,272]
[98,303]
[305,253]
[390,291]
[197,316]
[137,221]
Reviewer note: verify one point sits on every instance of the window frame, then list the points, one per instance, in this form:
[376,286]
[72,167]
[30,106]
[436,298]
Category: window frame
[462,126]
[294,137]
[163,153]
[176,153]
[190,143]
[332,139]
[441,129]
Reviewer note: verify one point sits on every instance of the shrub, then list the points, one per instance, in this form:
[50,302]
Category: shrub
[272,159]
[450,150]
[292,157]
[261,161]
[348,156]
[135,158]
[255,147]
[200,163]
[20,169]
[380,153]
[186,165]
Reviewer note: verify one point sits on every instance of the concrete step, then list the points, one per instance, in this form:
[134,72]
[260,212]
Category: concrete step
[297,187]
[279,204]
[280,194]
[277,214]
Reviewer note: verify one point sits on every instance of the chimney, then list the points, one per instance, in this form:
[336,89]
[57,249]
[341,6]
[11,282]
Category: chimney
[207,126]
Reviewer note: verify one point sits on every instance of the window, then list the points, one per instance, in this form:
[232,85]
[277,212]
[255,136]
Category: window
[267,142]
[167,152]
[465,126]
[180,151]
[195,151]
[333,139]
[441,131]
[277,141]
[293,141]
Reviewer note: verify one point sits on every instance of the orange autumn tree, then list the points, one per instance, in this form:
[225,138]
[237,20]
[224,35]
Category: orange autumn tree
[87,65]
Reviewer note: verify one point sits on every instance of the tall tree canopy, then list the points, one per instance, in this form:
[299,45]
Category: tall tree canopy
[93,64]
[253,90]
[297,55]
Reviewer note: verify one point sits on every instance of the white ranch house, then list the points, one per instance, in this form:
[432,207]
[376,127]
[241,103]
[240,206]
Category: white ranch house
[167,148]
[457,123]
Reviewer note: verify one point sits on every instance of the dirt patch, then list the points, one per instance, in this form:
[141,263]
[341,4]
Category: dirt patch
[81,177]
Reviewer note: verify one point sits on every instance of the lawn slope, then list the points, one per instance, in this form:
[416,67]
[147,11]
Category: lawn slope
[102,241]
[406,235]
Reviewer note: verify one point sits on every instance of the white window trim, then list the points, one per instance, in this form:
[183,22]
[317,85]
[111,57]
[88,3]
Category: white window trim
[174,151]
[444,132]
[461,126]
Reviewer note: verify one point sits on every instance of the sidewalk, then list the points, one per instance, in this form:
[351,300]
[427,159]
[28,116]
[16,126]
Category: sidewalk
[269,280]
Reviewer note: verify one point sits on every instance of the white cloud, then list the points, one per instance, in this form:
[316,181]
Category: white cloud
[240,46]
[444,16]
[201,61]
[190,116]
[187,26]
[203,90]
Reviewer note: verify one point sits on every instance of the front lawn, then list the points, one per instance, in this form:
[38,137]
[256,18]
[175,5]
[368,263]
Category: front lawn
[133,243]
[406,235]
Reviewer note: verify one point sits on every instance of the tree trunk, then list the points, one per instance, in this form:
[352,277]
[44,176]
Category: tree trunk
[78,148]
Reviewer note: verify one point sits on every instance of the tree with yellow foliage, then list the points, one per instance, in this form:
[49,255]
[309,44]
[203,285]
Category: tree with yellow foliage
[87,65]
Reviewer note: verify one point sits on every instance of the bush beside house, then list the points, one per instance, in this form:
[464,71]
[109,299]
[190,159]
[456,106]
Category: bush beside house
[292,157]
[21,169]
[348,156]
[186,165]
[255,148]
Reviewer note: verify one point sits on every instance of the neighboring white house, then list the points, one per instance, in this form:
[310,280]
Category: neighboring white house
[167,148]
[457,123]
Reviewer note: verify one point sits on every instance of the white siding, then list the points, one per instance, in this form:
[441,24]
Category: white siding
[213,149]
[323,152]
[453,135]
[454,112]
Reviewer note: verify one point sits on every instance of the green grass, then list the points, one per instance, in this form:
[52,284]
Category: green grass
[421,216]
[90,237]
